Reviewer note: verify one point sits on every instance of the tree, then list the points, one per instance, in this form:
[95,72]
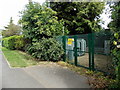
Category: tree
[11,29]
[79,17]
[39,21]
[115,28]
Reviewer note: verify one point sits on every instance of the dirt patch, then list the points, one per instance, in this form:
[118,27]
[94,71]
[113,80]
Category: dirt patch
[102,62]
[84,60]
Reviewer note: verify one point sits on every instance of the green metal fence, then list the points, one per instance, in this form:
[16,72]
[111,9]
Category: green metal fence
[90,51]
[102,57]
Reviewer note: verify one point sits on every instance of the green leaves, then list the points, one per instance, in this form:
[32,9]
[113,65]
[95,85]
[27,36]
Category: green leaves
[9,42]
[14,42]
[46,49]
[20,42]
[39,21]
[79,17]
[115,28]
[116,35]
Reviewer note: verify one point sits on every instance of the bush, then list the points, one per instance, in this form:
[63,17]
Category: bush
[14,42]
[46,49]
[30,49]
[9,42]
[19,42]
[4,42]
[114,84]
[116,57]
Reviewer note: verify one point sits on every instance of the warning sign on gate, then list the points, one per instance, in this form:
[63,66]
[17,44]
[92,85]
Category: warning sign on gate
[70,41]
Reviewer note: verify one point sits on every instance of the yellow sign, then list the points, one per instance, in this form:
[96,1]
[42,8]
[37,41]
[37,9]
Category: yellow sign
[70,40]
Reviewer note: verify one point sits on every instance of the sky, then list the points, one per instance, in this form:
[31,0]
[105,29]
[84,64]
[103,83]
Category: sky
[106,16]
[11,8]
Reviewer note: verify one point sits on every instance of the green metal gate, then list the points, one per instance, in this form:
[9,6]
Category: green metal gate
[73,51]
[87,50]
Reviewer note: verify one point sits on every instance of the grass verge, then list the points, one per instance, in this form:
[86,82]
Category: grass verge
[18,59]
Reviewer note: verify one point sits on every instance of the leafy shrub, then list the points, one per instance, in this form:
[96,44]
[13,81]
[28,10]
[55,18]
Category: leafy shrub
[14,42]
[19,42]
[46,49]
[9,42]
[114,84]
[4,42]
[30,49]
[115,28]
[116,54]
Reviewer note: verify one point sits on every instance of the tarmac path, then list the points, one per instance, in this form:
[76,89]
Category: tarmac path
[41,76]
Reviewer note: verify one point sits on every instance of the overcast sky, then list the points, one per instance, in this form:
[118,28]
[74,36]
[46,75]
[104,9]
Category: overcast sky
[11,8]
[106,16]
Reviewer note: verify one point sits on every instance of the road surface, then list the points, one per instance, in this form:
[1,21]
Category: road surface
[41,76]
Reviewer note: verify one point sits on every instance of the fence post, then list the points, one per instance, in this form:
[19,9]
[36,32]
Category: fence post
[75,49]
[89,47]
[64,47]
[92,49]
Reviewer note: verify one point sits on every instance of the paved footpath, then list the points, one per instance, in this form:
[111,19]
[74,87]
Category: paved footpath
[40,77]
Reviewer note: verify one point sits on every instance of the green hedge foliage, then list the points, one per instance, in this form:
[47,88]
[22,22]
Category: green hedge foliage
[9,42]
[46,49]
[14,42]
[19,42]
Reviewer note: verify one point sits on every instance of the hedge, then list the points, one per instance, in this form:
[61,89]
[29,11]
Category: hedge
[19,42]
[47,49]
[14,42]
[9,42]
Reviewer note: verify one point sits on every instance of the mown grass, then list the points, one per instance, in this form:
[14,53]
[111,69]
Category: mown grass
[18,59]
